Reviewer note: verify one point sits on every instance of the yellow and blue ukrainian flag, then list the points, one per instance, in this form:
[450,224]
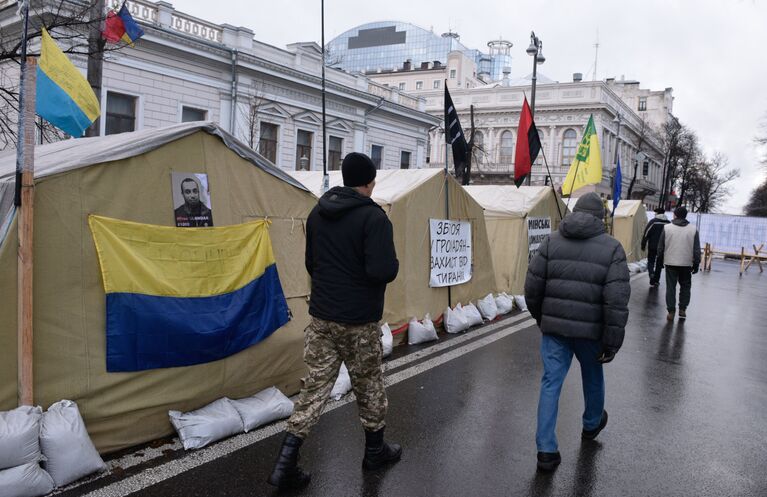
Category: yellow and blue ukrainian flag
[179,296]
[63,96]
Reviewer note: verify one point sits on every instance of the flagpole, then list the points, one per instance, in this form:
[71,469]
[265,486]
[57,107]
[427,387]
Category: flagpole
[447,186]
[325,176]
[22,102]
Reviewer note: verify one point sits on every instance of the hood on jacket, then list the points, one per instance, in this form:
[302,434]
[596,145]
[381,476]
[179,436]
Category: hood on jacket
[680,222]
[662,217]
[339,200]
[581,225]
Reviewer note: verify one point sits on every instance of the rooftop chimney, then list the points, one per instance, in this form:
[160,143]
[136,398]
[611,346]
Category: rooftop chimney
[407,65]
[577,77]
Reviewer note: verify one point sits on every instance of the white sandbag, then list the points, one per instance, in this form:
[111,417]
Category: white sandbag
[519,301]
[418,332]
[642,265]
[20,436]
[472,314]
[387,340]
[198,428]
[26,480]
[266,406]
[633,267]
[343,383]
[504,304]
[487,307]
[68,450]
[455,320]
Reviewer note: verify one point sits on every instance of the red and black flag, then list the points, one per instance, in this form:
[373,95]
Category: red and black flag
[454,136]
[528,145]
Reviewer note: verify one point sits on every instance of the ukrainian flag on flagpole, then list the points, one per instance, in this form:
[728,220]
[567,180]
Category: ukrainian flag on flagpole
[63,96]
[586,168]
[178,296]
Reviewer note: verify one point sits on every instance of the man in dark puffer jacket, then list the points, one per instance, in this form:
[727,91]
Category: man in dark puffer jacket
[577,289]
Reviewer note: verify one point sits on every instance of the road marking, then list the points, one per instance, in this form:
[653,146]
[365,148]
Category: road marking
[162,472]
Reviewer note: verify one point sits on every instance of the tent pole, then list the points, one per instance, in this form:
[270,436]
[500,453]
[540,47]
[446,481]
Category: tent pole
[25,253]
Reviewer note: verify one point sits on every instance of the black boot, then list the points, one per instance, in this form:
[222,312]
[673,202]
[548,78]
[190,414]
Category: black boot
[286,473]
[378,452]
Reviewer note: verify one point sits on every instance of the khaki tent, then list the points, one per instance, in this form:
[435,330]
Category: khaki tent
[507,211]
[628,227]
[128,176]
[411,197]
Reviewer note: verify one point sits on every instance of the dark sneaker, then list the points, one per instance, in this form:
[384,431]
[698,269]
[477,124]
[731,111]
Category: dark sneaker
[682,313]
[548,461]
[670,316]
[592,434]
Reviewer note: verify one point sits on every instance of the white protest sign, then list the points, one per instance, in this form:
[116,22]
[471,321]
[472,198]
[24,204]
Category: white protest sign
[450,252]
[538,228]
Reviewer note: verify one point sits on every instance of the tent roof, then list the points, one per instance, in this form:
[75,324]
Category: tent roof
[391,184]
[66,155]
[627,208]
[507,200]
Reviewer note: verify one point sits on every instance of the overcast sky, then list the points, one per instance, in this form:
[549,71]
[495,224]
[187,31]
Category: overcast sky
[711,52]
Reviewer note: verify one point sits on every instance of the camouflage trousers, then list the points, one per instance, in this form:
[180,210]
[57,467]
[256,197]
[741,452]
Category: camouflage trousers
[326,345]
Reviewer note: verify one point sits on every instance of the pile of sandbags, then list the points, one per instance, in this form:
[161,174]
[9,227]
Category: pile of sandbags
[57,437]
[226,417]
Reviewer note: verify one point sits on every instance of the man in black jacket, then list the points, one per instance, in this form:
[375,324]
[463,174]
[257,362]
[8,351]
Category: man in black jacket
[577,289]
[350,257]
[650,241]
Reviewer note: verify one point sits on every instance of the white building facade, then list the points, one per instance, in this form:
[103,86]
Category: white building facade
[187,69]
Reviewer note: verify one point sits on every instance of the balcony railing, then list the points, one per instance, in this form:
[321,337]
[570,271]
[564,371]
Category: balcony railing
[178,21]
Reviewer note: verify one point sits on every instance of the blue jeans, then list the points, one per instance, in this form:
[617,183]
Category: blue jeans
[557,354]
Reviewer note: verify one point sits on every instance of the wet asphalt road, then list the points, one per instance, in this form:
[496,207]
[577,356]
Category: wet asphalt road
[687,404]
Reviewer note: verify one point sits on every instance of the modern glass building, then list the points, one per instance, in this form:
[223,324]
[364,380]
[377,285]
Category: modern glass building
[387,45]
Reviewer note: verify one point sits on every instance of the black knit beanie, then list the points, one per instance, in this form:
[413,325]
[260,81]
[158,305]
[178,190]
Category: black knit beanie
[357,169]
[592,204]
[680,212]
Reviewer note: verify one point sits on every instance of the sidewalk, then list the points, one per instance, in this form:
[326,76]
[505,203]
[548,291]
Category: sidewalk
[687,408]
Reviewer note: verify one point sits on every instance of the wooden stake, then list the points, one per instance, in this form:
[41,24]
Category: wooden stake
[24,303]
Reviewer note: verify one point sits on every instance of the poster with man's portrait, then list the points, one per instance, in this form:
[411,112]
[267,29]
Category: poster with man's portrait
[191,200]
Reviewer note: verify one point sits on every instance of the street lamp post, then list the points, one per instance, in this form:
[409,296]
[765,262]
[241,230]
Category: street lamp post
[535,50]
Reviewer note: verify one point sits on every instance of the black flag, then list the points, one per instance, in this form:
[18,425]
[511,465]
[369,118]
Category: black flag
[454,136]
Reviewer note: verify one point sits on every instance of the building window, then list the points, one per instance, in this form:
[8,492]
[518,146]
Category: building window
[189,114]
[404,160]
[452,73]
[569,146]
[303,150]
[121,113]
[435,84]
[335,149]
[376,154]
[645,168]
[507,147]
[267,141]
[419,85]
[642,103]
[402,86]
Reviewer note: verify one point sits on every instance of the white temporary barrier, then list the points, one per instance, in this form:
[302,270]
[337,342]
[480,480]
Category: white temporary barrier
[217,420]
[68,450]
[266,406]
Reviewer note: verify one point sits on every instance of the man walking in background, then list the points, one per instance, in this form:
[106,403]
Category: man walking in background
[350,257]
[577,289]
[679,251]
[650,240]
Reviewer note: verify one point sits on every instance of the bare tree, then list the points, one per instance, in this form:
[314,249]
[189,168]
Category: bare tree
[761,142]
[757,204]
[252,115]
[644,135]
[68,22]
[707,184]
